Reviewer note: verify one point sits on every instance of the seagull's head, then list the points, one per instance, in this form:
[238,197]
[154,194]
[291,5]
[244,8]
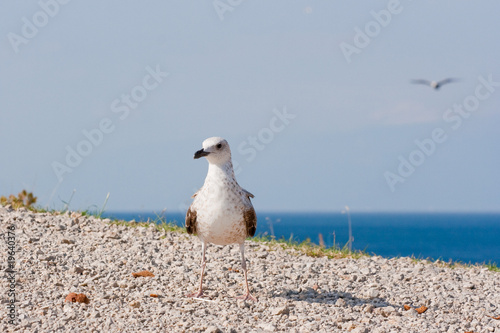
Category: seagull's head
[216,150]
[434,84]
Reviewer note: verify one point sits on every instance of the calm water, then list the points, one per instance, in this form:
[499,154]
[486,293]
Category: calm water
[468,238]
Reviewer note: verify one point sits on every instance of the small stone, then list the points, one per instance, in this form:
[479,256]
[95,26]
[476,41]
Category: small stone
[410,313]
[281,310]
[267,327]
[386,311]
[113,235]
[372,293]
[213,329]
[76,270]
[135,304]
[261,255]
[360,329]
[242,304]
[340,302]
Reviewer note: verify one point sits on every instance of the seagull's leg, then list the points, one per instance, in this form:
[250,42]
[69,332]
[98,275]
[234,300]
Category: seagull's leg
[247,296]
[199,293]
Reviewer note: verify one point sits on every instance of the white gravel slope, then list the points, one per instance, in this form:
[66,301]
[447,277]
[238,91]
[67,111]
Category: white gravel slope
[60,254]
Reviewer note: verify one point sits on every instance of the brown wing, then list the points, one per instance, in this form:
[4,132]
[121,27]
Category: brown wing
[250,221]
[191,223]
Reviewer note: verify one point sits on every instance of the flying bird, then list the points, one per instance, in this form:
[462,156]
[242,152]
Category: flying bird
[221,212]
[434,84]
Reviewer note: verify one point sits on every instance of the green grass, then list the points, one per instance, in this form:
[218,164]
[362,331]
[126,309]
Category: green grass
[160,223]
[457,264]
[308,248]
[492,267]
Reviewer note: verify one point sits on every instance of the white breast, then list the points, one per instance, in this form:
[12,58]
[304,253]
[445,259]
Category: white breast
[220,207]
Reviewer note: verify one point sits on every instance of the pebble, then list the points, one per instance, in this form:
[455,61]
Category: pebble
[64,253]
[281,310]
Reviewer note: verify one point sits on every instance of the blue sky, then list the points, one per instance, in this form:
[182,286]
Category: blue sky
[134,88]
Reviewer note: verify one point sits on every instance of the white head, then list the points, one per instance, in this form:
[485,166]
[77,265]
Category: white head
[216,150]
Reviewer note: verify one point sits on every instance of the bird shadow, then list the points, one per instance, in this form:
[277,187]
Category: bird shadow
[311,295]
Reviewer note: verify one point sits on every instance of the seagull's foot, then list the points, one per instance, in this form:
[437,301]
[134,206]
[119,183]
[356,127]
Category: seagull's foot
[197,294]
[247,297]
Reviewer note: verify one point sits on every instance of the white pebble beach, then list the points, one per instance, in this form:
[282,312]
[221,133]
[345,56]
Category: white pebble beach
[58,254]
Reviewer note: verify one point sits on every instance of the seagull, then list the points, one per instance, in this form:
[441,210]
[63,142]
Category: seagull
[221,212]
[434,84]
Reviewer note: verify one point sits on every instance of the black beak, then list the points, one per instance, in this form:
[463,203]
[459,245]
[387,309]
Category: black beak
[200,153]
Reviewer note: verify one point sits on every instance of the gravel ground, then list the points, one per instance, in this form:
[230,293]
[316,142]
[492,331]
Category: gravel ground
[60,254]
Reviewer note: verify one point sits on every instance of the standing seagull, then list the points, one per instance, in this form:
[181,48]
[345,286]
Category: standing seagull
[434,84]
[221,212]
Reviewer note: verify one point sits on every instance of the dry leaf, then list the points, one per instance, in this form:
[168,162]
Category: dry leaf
[143,273]
[496,318]
[153,295]
[81,298]
[407,307]
[76,298]
[70,298]
[421,309]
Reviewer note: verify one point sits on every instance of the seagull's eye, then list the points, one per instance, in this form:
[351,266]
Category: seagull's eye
[219,146]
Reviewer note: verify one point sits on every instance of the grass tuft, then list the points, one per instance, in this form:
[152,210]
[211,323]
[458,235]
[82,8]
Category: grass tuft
[310,249]
[24,199]
[160,223]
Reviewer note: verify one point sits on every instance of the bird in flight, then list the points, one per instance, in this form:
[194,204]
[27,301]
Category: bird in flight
[434,84]
[221,212]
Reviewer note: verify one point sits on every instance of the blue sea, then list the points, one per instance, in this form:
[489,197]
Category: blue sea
[468,238]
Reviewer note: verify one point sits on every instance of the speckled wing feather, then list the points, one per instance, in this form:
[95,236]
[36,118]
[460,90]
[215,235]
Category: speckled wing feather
[250,221]
[191,223]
